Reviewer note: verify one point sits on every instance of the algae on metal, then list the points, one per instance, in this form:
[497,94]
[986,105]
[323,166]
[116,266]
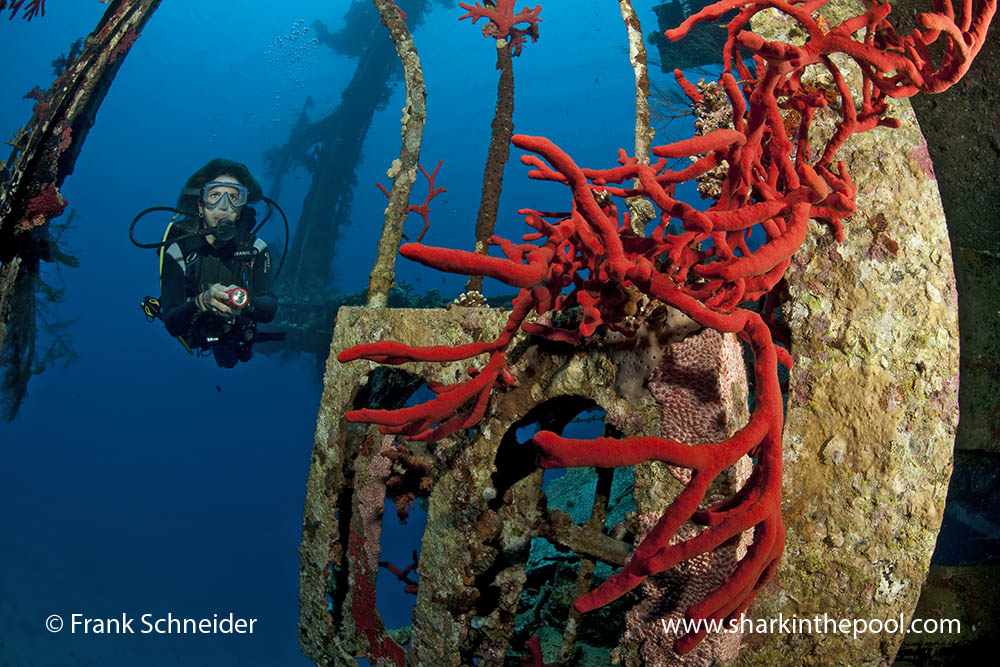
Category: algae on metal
[873,399]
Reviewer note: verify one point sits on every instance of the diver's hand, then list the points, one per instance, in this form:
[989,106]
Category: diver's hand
[215,300]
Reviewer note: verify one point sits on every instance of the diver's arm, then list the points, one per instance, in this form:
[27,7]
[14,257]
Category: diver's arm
[263,303]
[179,313]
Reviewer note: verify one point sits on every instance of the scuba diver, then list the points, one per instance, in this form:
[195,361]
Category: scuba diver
[215,274]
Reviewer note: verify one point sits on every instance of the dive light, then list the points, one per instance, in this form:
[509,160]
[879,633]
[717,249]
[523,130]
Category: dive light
[237,297]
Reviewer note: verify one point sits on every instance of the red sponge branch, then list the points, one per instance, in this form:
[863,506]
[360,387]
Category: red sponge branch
[503,21]
[587,264]
[422,209]
[30,10]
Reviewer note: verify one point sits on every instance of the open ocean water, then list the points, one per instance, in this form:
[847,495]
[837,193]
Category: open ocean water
[141,480]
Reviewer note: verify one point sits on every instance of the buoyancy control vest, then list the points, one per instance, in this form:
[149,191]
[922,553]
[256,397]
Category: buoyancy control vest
[203,265]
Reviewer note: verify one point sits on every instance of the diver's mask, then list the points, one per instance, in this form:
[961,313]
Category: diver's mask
[225,194]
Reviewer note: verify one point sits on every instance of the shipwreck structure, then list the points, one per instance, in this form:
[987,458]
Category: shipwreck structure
[638,322]
[43,154]
[329,149]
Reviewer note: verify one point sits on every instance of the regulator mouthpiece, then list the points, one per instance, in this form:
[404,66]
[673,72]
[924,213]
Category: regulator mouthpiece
[225,230]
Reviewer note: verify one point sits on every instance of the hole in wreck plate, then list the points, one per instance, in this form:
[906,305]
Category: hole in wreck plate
[395,584]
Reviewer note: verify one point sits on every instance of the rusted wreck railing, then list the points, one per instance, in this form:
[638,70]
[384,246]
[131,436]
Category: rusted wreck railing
[46,148]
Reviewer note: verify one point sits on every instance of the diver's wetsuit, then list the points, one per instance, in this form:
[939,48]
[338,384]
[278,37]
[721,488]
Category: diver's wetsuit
[191,265]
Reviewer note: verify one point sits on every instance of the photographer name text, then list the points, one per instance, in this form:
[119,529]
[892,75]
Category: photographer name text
[146,624]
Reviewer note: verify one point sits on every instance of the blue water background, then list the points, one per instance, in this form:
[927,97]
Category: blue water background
[142,480]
